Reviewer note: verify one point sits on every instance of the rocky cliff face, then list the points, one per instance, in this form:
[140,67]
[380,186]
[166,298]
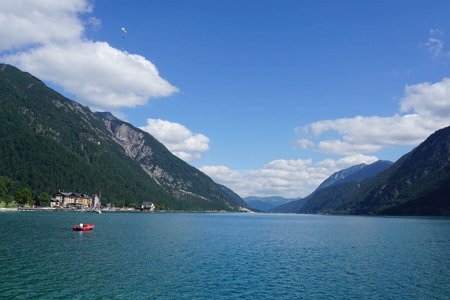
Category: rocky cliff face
[168,171]
[132,141]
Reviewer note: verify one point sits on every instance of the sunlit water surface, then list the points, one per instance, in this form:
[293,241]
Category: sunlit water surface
[222,256]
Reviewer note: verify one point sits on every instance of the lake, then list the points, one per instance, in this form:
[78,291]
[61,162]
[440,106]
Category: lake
[222,256]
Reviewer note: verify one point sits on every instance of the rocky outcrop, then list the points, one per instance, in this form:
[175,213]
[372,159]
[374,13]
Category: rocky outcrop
[168,171]
[131,140]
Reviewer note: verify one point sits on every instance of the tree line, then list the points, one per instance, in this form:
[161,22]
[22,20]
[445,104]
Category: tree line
[13,194]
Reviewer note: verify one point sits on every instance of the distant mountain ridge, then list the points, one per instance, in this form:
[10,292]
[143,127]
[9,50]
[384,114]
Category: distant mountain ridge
[331,184]
[51,143]
[356,173]
[265,204]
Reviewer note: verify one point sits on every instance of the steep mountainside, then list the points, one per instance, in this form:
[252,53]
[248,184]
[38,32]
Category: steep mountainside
[328,200]
[51,143]
[265,204]
[290,207]
[232,196]
[338,183]
[356,173]
[340,176]
[417,184]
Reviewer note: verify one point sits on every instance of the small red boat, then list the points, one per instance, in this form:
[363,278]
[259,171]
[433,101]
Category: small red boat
[83,227]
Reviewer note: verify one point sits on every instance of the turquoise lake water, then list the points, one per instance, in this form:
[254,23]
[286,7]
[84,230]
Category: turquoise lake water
[222,256]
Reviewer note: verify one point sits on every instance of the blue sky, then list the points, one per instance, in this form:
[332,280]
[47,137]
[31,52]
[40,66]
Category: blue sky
[263,96]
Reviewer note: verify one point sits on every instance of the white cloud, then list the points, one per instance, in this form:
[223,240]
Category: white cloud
[178,139]
[46,39]
[305,143]
[435,45]
[425,108]
[346,162]
[288,178]
[223,175]
[428,100]
[341,147]
[96,72]
[31,22]
[95,23]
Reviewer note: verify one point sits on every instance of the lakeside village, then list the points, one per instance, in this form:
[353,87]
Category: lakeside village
[73,201]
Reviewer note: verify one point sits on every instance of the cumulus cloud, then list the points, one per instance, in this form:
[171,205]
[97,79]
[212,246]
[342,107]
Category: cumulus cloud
[36,22]
[424,109]
[346,162]
[47,39]
[428,100]
[288,178]
[305,143]
[338,146]
[96,72]
[178,139]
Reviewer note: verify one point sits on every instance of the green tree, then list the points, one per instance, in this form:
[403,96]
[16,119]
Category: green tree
[3,188]
[11,204]
[44,199]
[7,188]
[23,196]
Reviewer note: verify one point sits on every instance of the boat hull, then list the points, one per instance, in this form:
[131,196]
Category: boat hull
[86,227]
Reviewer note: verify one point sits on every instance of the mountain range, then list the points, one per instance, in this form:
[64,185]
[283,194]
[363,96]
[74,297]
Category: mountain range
[355,173]
[417,184]
[51,143]
[265,204]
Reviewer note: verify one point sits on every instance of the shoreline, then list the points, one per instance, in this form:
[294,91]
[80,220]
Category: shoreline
[116,210]
[8,209]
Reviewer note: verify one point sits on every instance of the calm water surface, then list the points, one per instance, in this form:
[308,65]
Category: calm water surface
[222,256]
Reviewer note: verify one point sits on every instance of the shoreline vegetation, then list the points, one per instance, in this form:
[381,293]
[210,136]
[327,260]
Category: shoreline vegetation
[119,210]
[14,194]
[15,197]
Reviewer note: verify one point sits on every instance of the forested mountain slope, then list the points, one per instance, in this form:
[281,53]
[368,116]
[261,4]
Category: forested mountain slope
[51,143]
